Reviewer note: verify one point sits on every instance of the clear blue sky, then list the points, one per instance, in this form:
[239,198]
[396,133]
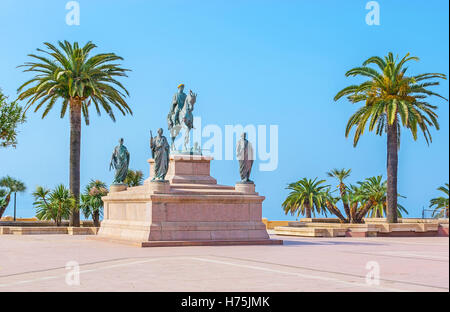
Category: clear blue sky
[252,62]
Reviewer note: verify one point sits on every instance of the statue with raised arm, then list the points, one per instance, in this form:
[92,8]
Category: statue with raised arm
[160,152]
[244,153]
[177,106]
[120,160]
[180,115]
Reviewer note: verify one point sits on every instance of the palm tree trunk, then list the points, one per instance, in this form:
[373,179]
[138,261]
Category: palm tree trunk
[15,197]
[353,210]
[307,211]
[3,208]
[392,169]
[96,218]
[363,211]
[75,148]
[377,214]
[345,200]
[334,210]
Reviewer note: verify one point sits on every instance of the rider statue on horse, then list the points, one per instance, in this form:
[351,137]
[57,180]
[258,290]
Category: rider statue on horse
[180,115]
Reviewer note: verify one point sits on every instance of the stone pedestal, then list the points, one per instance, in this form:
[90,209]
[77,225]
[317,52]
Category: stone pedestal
[117,188]
[187,169]
[157,187]
[245,188]
[189,209]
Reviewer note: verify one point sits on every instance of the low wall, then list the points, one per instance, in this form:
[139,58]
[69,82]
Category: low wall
[47,230]
[368,229]
[9,218]
[408,220]
[270,225]
[41,223]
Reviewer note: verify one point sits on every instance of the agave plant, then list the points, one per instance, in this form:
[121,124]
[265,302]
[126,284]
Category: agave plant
[441,204]
[91,200]
[307,196]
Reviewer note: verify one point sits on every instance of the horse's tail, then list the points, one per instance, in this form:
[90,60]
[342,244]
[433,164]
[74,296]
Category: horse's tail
[170,120]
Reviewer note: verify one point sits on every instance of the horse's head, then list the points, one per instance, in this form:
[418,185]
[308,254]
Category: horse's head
[192,97]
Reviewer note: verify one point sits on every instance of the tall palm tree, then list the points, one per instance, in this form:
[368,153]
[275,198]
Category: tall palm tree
[91,200]
[306,196]
[69,74]
[391,100]
[440,203]
[14,186]
[134,178]
[341,175]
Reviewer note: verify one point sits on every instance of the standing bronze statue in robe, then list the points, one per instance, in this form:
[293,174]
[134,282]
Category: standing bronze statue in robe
[160,152]
[244,153]
[120,160]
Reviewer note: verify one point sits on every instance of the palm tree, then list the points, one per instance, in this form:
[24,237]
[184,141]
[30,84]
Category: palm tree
[91,200]
[54,205]
[14,186]
[63,200]
[306,196]
[391,99]
[441,203]
[42,203]
[374,189]
[134,178]
[80,82]
[3,201]
[341,175]
[330,203]
[366,198]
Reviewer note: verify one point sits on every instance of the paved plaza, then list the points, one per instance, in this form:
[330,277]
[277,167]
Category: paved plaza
[38,263]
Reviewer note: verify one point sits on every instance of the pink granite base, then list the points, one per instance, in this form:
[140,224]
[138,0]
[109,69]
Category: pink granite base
[443,230]
[191,209]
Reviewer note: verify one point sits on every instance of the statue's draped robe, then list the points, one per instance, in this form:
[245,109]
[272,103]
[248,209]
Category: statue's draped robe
[160,150]
[120,161]
[177,105]
[244,153]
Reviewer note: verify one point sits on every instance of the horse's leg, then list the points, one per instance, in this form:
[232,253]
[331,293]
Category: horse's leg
[187,138]
[172,136]
[172,145]
[174,133]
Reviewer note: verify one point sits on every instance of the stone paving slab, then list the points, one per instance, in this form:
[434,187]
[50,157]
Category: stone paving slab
[38,263]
